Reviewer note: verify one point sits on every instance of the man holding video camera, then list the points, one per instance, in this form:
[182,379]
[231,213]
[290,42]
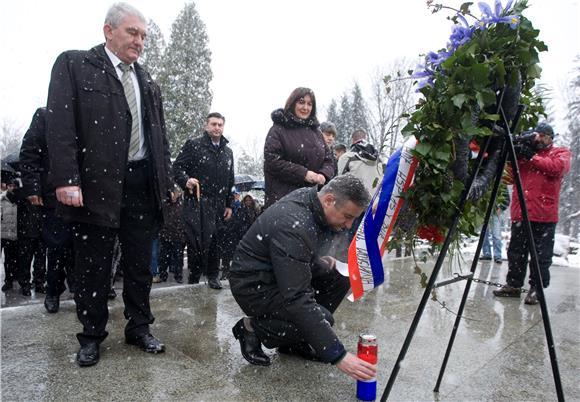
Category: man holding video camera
[542,167]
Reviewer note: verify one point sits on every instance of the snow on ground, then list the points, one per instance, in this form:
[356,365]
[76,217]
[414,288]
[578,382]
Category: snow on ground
[566,251]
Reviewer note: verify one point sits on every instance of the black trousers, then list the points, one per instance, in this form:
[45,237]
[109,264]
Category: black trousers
[93,247]
[57,236]
[518,252]
[275,329]
[10,248]
[31,251]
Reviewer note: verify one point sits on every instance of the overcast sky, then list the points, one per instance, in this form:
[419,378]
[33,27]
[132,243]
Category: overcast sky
[261,50]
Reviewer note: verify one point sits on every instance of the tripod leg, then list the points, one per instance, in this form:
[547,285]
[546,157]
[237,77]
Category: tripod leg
[535,270]
[488,213]
[434,274]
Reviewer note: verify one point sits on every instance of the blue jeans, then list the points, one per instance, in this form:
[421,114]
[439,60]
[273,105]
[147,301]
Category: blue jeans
[494,228]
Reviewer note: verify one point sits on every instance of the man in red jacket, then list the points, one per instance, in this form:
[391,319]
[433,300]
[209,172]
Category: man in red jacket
[542,167]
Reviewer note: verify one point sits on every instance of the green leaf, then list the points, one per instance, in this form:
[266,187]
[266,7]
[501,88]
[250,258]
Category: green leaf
[423,148]
[459,100]
[534,71]
[465,7]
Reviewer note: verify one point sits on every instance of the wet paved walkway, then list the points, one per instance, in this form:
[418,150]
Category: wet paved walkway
[500,353]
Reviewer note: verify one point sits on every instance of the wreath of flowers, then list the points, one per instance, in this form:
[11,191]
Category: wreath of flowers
[460,85]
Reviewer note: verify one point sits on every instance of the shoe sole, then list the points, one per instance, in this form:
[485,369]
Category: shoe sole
[83,364]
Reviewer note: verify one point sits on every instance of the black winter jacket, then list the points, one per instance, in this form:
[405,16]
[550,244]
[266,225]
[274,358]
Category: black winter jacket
[89,130]
[275,262]
[212,166]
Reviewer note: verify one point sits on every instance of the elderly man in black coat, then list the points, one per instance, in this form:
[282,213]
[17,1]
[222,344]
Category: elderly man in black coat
[288,287]
[207,162]
[109,163]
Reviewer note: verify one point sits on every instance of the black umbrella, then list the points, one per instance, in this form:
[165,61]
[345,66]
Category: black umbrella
[199,217]
[244,182]
[10,162]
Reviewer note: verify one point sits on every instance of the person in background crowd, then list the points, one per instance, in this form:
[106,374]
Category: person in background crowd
[31,248]
[9,231]
[237,202]
[362,161]
[493,235]
[328,130]
[542,167]
[287,289]
[56,234]
[295,154]
[111,177]
[329,133]
[207,162]
[339,150]
[172,240]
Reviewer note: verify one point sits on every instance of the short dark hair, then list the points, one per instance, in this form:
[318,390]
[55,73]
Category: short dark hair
[340,148]
[295,96]
[216,115]
[347,188]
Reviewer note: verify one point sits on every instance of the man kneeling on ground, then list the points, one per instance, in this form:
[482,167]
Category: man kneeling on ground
[289,291]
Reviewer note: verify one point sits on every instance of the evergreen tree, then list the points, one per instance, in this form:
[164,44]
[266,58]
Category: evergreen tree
[152,56]
[359,110]
[333,117]
[186,77]
[569,200]
[252,165]
[345,125]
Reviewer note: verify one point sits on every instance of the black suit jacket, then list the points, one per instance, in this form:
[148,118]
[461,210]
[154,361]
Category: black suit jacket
[89,130]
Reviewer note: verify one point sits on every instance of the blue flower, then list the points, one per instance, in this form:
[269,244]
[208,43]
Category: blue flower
[495,16]
[460,33]
[425,76]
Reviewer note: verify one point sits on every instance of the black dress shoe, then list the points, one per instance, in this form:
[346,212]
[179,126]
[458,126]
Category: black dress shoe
[112,294]
[88,354]
[485,258]
[302,350]
[214,283]
[250,345]
[51,303]
[147,343]
[8,285]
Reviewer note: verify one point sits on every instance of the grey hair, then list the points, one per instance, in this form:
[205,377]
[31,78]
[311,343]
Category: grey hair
[119,11]
[347,188]
[328,127]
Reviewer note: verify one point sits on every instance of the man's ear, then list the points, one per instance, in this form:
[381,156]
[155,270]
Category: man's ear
[107,31]
[328,200]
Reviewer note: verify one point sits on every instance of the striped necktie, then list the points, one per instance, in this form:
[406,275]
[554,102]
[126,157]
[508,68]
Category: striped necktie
[127,81]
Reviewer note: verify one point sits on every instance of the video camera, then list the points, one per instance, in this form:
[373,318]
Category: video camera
[525,144]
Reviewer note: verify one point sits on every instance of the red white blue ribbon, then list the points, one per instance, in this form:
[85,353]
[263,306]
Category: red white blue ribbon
[365,265]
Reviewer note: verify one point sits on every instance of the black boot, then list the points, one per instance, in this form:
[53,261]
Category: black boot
[250,345]
[51,303]
[8,285]
[532,297]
